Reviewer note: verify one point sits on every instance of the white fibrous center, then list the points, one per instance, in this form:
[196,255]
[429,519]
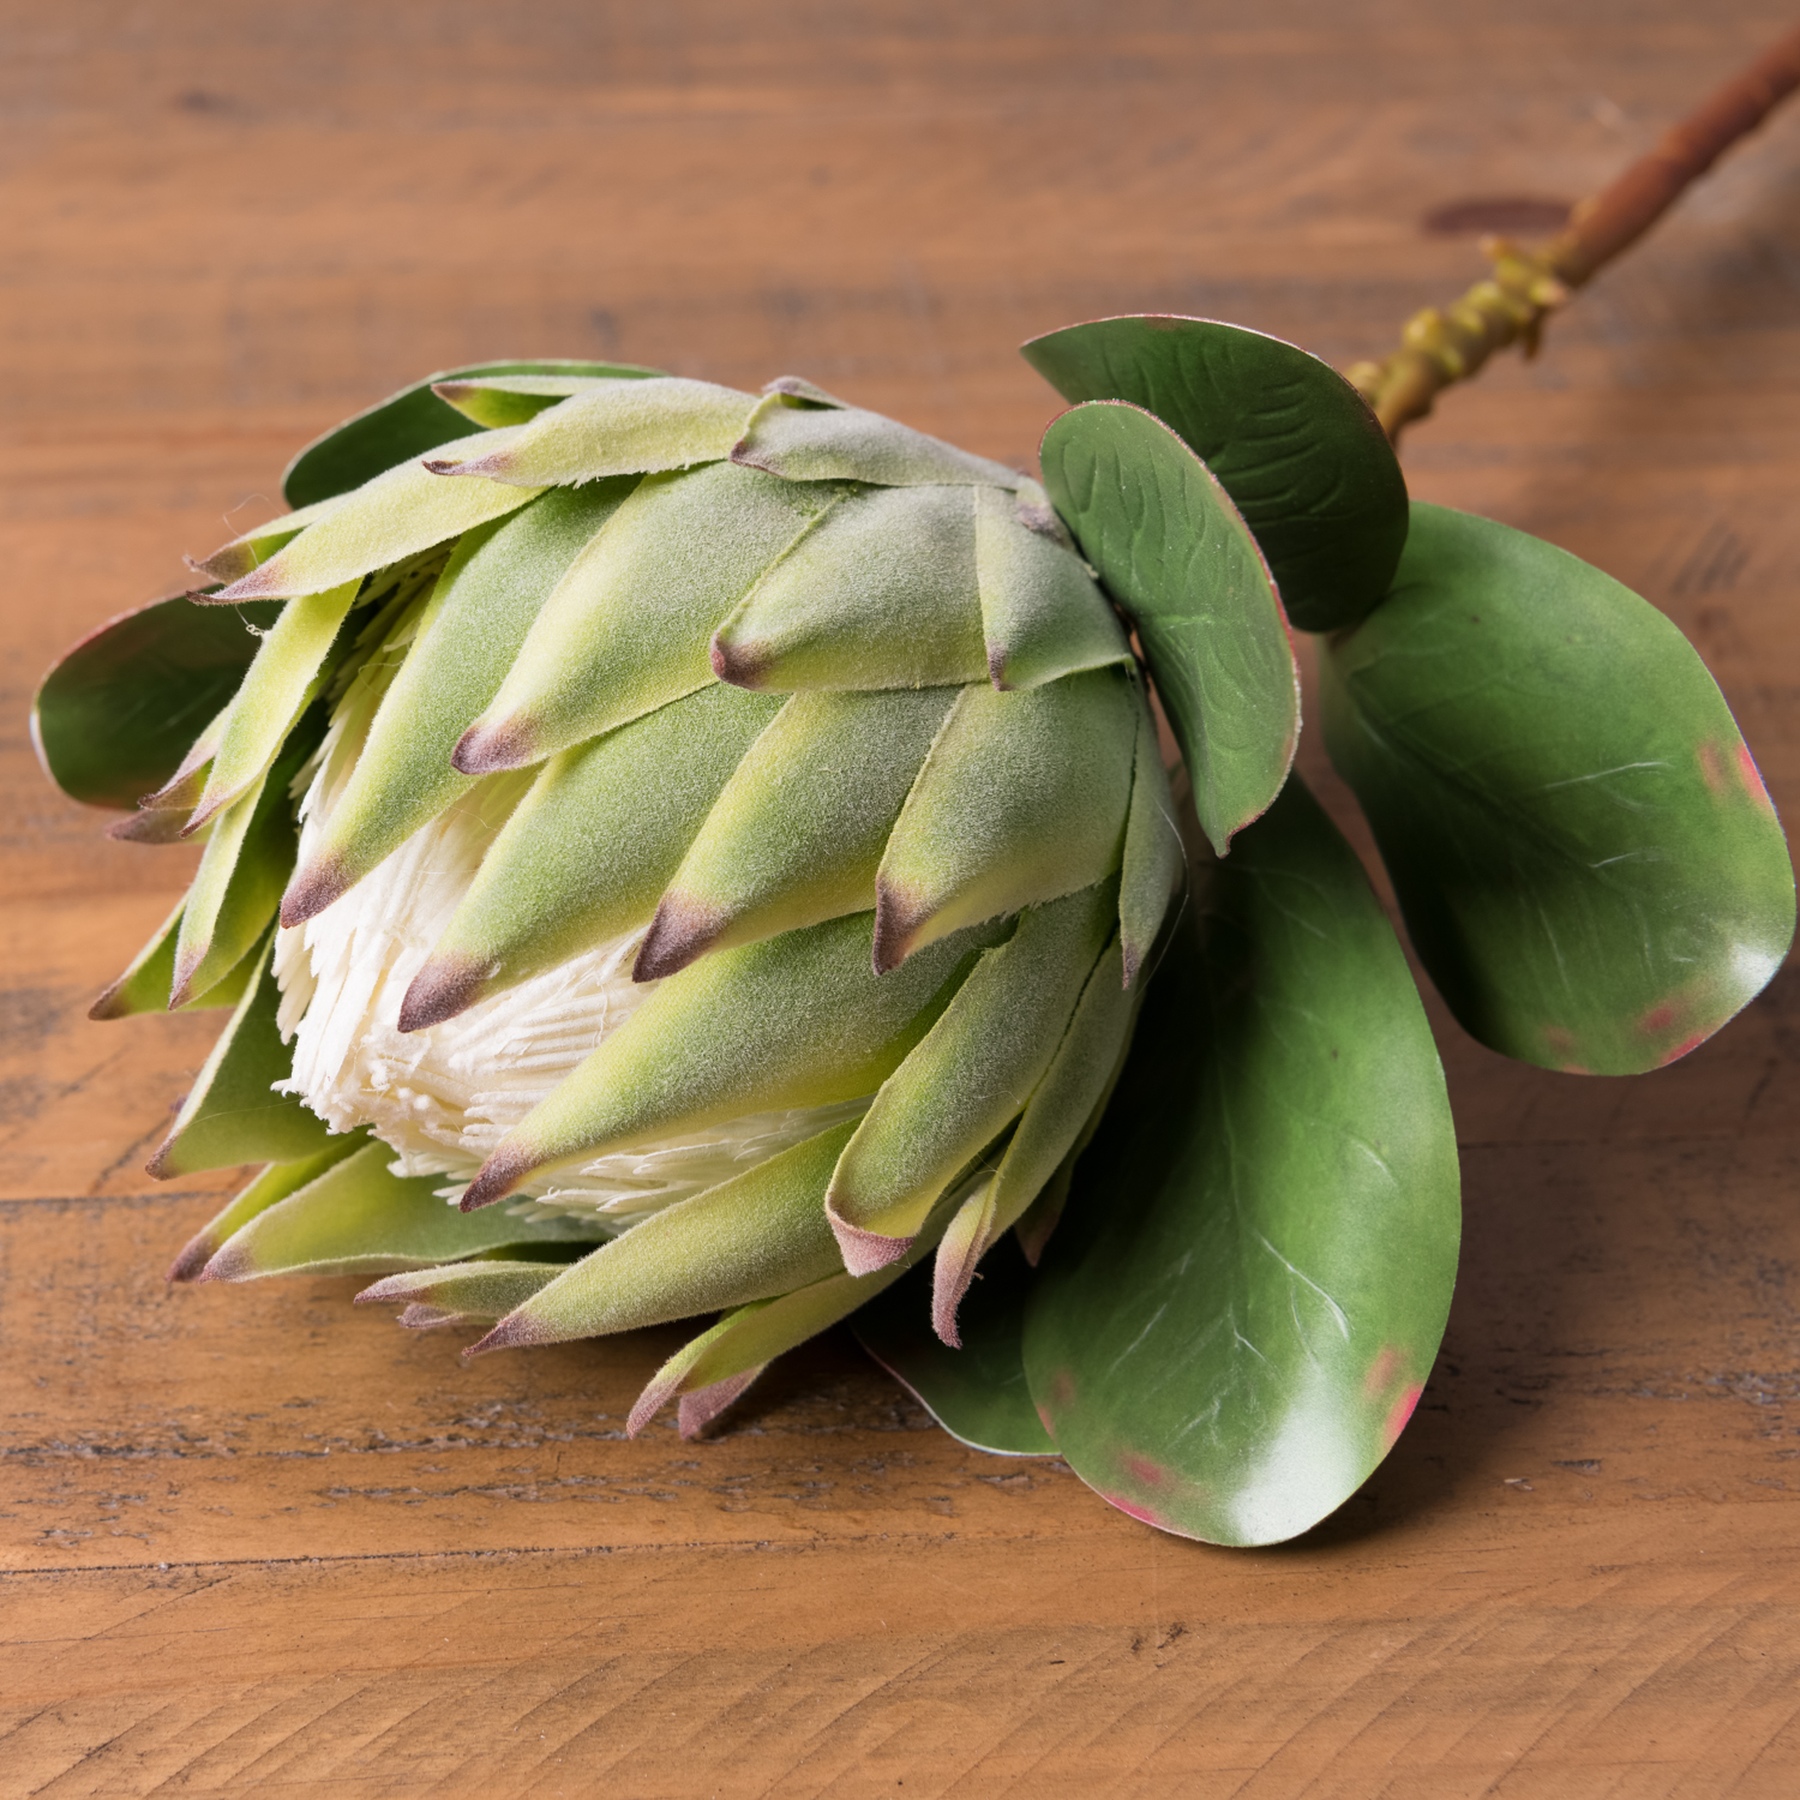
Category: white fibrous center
[443,1098]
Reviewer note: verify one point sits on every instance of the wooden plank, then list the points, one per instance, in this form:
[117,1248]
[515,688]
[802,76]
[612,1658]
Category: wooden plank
[252,1539]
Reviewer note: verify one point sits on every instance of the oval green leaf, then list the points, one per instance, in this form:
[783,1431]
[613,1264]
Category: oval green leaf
[1587,859]
[978,1393]
[117,713]
[1235,1319]
[405,425]
[1290,440]
[1174,551]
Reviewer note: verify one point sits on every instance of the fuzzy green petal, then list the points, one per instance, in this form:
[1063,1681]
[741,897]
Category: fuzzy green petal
[626,630]
[880,594]
[589,850]
[484,603]
[760,1234]
[797,834]
[798,1020]
[967,1078]
[1023,799]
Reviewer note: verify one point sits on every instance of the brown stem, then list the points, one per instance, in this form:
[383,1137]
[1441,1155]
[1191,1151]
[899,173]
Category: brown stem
[1438,347]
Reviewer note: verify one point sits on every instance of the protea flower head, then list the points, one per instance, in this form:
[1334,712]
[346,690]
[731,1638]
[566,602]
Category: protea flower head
[734,818]
[674,851]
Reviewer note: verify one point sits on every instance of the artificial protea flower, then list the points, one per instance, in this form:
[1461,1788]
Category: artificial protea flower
[673,851]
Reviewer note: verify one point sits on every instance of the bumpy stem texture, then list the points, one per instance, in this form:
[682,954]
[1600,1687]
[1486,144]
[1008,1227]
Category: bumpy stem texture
[1439,346]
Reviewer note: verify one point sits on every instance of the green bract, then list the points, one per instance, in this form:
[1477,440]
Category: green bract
[675,851]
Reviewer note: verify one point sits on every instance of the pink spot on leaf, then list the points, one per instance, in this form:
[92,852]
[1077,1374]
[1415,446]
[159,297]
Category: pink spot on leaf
[1142,1470]
[1384,1371]
[1712,766]
[1681,1049]
[1752,779]
[1658,1019]
[1148,1514]
[1400,1412]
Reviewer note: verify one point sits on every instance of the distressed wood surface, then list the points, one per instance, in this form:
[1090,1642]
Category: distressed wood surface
[252,1541]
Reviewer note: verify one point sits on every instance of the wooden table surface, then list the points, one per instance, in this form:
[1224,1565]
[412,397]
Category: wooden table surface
[253,1541]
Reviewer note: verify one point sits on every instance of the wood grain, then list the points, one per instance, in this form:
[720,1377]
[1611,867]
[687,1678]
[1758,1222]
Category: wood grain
[254,1541]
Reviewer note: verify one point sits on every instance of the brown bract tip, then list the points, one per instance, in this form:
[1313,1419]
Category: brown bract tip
[486,749]
[193,1256]
[150,825]
[746,456]
[232,1263]
[476,465]
[264,582]
[314,888]
[211,804]
[697,1410]
[108,1006]
[447,985]
[652,1400]
[514,1332]
[681,933]
[898,918]
[738,665]
[497,1177]
[163,1166]
[996,662]
[950,1283]
[864,1252]
[181,989]
[389,1287]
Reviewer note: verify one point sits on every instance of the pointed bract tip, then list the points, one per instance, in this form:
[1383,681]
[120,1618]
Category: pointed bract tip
[864,1252]
[950,1282]
[744,454]
[496,1178]
[162,1166]
[1130,960]
[681,933]
[232,563]
[476,465]
[996,663]
[208,809]
[898,917]
[389,1287]
[698,1409]
[448,984]
[737,665]
[257,584]
[150,825]
[313,889]
[514,1332]
[229,1263]
[193,1256]
[486,749]
[181,989]
[109,1004]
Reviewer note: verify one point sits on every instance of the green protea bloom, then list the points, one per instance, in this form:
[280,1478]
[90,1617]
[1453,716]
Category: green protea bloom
[671,851]
[735,818]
